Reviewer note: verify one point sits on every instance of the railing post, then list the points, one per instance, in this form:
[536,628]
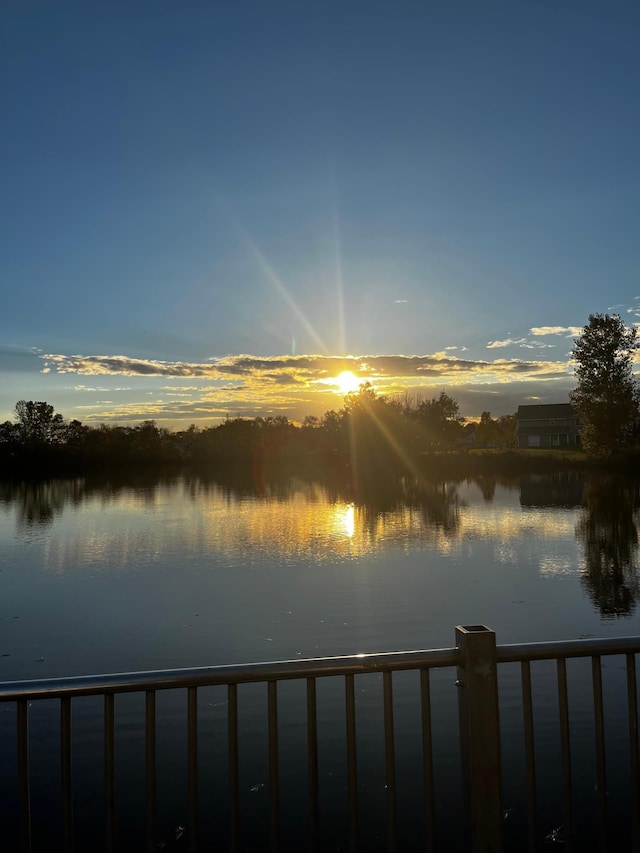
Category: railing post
[480,735]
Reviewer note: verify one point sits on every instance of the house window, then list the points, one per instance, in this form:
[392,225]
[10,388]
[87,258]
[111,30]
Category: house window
[534,441]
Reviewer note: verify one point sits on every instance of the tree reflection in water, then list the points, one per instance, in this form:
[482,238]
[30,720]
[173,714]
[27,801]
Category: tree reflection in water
[438,502]
[608,532]
[383,494]
[40,503]
[606,529]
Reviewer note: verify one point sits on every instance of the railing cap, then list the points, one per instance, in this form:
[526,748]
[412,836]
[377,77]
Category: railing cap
[474,629]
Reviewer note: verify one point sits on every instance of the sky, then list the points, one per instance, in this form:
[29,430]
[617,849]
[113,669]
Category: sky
[215,209]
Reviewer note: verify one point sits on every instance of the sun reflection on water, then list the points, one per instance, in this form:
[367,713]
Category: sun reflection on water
[344,520]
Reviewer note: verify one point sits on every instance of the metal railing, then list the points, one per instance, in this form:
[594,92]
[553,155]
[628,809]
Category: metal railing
[476,658]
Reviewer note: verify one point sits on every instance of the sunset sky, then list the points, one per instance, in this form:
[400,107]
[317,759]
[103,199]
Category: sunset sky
[214,208]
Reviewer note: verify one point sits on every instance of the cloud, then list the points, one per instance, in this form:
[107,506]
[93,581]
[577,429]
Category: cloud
[295,386]
[570,331]
[189,411]
[302,370]
[180,388]
[96,388]
[523,343]
[506,343]
[120,365]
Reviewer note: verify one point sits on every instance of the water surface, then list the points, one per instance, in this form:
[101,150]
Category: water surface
[188,571]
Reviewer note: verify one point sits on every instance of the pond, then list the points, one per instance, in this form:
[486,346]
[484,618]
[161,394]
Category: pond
[188,571]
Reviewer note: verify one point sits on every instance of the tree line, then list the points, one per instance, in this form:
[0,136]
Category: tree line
[367,426]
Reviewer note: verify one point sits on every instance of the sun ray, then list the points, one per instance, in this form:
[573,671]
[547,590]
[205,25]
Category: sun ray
[270,273]
[280,288]
[393,443]
[337,251]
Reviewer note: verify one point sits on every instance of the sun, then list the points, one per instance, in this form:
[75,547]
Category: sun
[347,382]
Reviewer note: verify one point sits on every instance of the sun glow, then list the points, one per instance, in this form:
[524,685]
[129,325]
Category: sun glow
[347,382]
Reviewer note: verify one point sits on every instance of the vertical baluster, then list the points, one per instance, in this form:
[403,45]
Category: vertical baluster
[427,757]
[274,782]
[312,753]
[565,748]
[66,782]
[192,714]
[596,671]
[390,760]
[110,771]
[352,766]
[234,776]
[23,775]
[151,769]
[634,745]
[530,754]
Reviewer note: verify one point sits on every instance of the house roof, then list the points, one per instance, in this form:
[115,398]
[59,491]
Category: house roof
[547,410]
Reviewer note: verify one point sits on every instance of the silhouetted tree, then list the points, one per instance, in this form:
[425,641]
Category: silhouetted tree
[507,430]
[38,423]
[486,431]
[333,426]
[9,434]
[76,432]
[440,418]
[377,435]
[605,398]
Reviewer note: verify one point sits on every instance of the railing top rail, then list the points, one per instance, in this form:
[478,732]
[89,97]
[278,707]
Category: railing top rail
[515,652]
[130,682]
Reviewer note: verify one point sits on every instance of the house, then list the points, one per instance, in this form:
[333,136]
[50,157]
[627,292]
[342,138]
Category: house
[550,425]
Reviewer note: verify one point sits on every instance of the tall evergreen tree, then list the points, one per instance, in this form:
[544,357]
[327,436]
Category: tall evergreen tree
[606,396]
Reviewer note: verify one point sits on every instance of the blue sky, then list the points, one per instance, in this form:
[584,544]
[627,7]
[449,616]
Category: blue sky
[215,208]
